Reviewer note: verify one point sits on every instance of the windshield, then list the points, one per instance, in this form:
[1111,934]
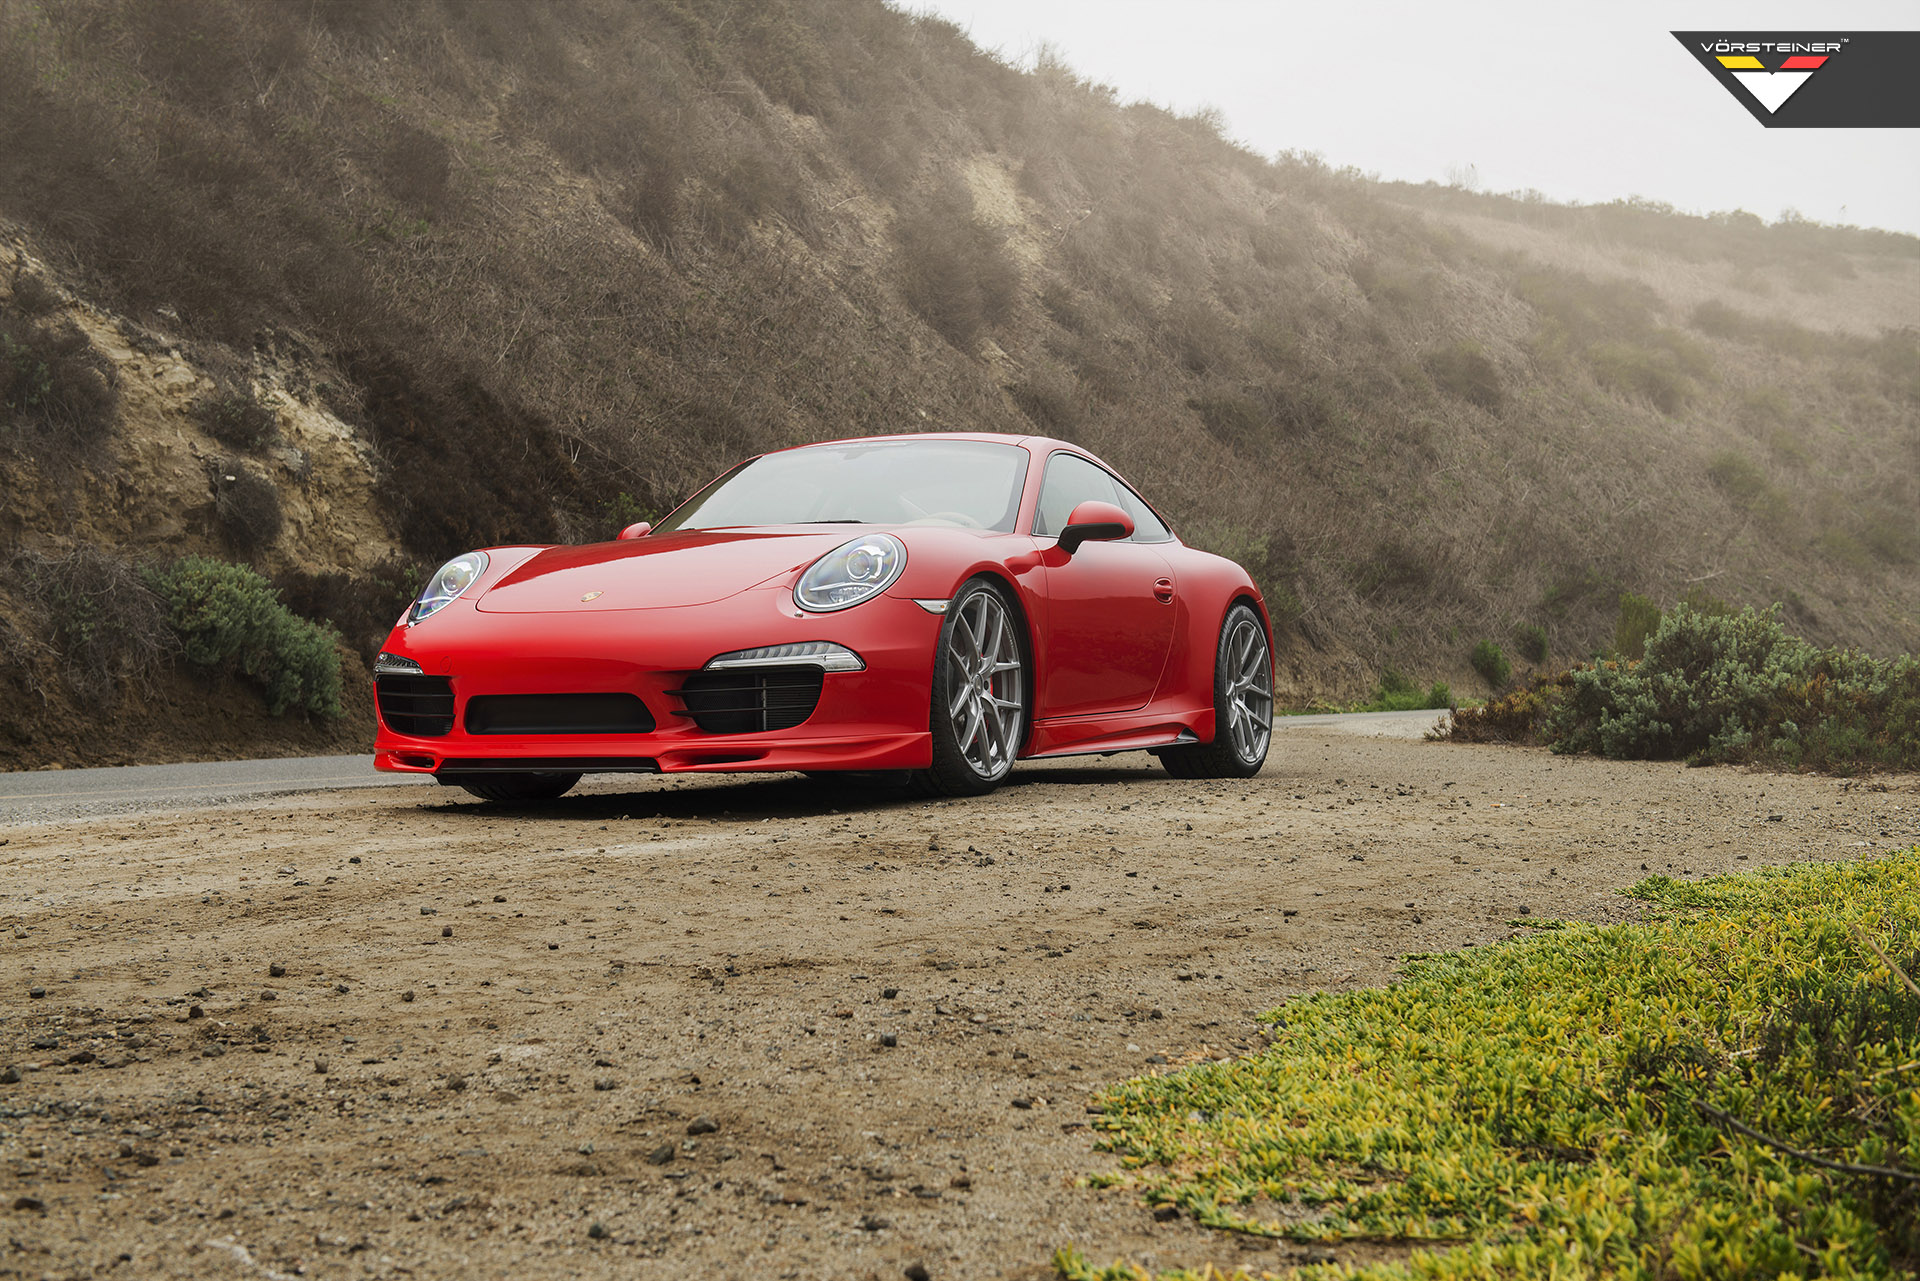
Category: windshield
[968,484]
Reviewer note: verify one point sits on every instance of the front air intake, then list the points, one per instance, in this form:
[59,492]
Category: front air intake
[557,714]
[418,706]
[751,700]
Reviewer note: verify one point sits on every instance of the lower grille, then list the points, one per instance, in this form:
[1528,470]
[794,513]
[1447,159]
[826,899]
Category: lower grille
[752,700]
[420,706]
[549,765]
[557,714]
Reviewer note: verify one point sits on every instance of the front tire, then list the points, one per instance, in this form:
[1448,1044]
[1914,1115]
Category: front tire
[515,789]
[1242,705]
[979,706]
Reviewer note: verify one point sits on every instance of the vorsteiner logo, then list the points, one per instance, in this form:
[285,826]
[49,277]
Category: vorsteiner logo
[1864,80]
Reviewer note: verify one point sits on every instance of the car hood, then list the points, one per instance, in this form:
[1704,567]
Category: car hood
[695,567]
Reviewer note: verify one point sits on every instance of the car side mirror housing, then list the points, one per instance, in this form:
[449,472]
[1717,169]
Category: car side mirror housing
[638,529]
[1094,522]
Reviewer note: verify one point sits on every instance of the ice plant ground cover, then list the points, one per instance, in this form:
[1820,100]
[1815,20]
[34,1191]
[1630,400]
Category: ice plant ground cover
[1727,1089]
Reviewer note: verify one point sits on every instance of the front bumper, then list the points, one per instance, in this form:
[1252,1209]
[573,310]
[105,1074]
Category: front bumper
[876,719]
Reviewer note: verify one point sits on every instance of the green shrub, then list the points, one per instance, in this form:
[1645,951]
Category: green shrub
[1639,619]
[1492,664]
[1531,641]
[1720,688]
[1737,687]
[230,619]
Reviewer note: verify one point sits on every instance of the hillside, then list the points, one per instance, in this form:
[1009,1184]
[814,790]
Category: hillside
[338,288]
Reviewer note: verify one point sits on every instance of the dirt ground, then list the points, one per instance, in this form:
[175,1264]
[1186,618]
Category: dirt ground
[749,1027]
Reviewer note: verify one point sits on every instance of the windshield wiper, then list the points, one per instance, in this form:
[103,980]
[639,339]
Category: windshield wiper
[830,522]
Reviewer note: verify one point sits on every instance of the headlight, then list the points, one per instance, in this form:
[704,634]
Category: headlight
[447,582]
[851,573]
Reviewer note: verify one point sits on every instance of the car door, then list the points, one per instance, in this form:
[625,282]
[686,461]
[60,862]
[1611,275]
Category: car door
[1110,611]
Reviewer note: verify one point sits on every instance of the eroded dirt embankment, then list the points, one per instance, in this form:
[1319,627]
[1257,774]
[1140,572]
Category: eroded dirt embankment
[748,1028]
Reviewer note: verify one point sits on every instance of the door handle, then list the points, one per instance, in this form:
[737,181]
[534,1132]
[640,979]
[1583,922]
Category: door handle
[1163,591]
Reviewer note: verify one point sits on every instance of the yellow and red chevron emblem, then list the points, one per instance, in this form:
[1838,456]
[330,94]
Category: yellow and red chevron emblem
[1771,88]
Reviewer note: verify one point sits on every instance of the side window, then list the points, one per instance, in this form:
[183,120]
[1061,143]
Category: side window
[1072,480]
[1146,526]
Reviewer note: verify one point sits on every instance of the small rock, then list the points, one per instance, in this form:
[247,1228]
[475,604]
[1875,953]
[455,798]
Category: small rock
[1166,1214]
[407,995]
[874,1223]
[36,993]
[30,1203]
[429,911]
[605,1083]
[598,1232]
[1024,1104]
[268,994]
[320,1065]
[499,898]
[456,1082]
[889,1039]
[918,1272]
[961,1181]
[195,1012]
[342,988]
[660,1155]
[553,947]
[354,859]
[276,971]
[446,931]
[9,1075]
[1526,911]
[887,994]
[1776,818]
[703,1125]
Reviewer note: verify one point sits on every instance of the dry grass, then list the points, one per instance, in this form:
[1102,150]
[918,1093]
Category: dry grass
[599,250]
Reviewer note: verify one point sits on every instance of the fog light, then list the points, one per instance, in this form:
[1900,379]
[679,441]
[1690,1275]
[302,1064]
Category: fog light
[394,665]
[824,655]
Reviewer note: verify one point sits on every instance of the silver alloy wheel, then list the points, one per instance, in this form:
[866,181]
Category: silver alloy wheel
[1249,691]
[985,687]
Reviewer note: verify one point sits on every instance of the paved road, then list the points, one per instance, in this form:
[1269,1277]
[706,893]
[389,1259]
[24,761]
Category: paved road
[1369,724]
[46,796]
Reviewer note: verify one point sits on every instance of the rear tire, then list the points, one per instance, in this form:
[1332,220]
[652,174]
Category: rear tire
[1242,705]
[978,711]
[515,789]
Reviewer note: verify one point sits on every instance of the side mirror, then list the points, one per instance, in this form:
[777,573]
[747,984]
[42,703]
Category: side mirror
[1094,522]
[636,530]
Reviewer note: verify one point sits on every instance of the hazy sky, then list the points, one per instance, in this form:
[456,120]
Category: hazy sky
[1587,102]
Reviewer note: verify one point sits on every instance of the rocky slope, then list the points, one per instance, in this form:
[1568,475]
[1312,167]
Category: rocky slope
[424,276]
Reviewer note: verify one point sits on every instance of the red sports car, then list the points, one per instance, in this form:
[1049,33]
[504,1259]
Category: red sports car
[932,607]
